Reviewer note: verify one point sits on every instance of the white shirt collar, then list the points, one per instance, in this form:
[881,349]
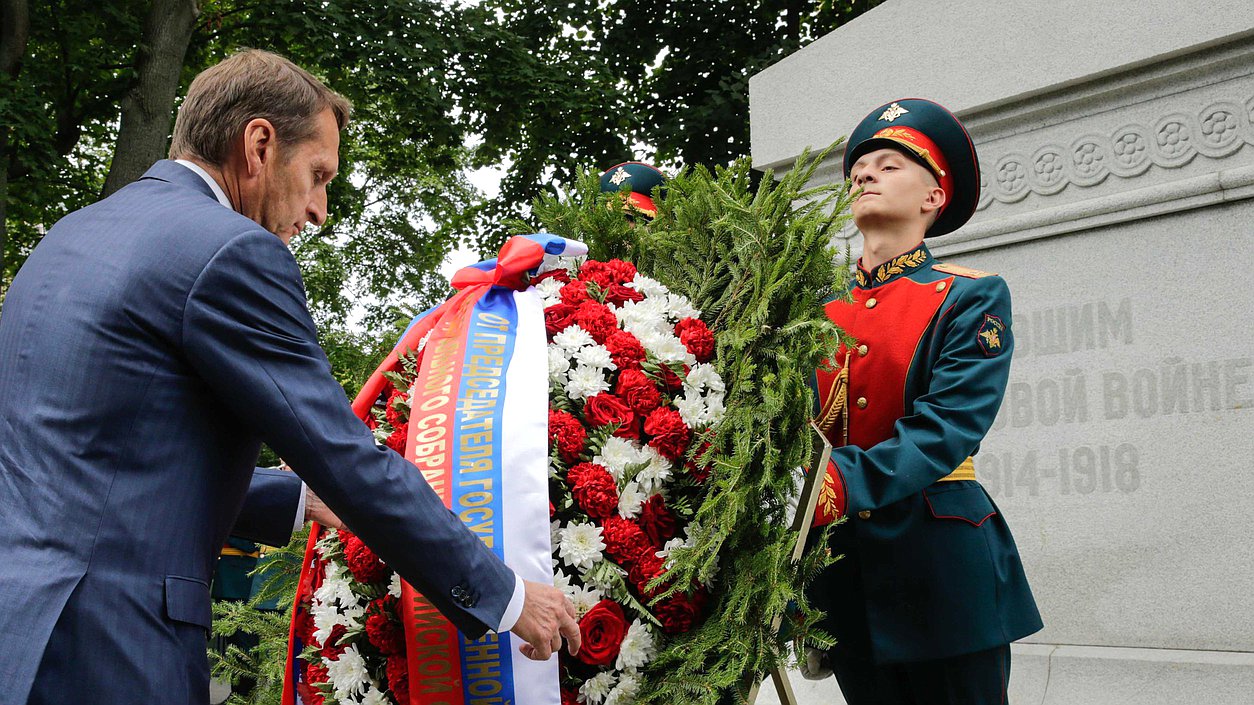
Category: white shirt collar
[217,190]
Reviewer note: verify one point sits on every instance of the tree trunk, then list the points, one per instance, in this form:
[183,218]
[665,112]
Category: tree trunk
[148,108]
[14,33]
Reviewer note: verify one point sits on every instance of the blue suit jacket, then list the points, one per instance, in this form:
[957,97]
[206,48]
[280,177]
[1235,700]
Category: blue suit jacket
[148,346]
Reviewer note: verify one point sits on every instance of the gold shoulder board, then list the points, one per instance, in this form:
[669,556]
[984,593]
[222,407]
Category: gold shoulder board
[959,270]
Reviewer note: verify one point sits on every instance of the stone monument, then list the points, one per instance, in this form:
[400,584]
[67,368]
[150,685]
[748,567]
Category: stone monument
[1116,144]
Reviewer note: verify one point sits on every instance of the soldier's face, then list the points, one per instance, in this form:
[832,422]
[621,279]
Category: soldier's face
[893,190]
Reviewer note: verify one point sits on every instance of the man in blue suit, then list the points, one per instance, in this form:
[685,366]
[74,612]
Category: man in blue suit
[149,345]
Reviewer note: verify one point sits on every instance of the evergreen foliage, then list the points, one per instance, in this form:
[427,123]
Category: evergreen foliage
[760,265]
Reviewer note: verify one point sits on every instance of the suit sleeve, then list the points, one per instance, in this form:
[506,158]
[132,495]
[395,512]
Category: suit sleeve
[248,333]
[947,423]
[269,507]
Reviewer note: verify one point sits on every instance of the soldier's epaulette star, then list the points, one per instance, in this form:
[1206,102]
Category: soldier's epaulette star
[960,271]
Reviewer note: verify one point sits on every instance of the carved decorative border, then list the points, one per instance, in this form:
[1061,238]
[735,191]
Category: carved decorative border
[1217,130]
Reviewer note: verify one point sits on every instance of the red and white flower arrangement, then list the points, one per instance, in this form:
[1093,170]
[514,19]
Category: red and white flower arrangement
[632,395]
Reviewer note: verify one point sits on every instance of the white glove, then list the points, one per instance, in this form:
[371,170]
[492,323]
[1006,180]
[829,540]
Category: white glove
[816,665]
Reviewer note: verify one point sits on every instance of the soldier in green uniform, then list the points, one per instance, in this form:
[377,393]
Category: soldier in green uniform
[931,590]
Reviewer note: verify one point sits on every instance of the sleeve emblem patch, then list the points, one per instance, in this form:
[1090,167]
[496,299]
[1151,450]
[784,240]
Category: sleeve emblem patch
[990,335]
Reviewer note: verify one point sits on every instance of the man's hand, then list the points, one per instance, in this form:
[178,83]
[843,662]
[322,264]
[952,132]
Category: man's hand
[316,510]
[547,616]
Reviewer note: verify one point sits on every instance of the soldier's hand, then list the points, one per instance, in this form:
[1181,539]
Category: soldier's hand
[547,617]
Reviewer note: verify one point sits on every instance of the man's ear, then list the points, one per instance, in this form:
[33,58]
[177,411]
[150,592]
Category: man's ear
[259,144]
[935,200]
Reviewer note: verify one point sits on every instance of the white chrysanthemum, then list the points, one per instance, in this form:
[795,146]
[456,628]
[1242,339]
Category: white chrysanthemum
[594,690]
[630,499]
[586,381]
[680,307]
[329,543]
[373,696]
[394,585]
[638,647]
[552,262]
[649,314]
[573,338]
[656,474]
[691,408]
[325,617]
[559,364]
[702,376]
[714,409]
[550,287]
[561,580]
[581,546]
[555,532]
[336,588]
[625,692]
[667,548]
[348,673]
[648,286]
[616,455]
[595,356]
[665,346]
[584,598]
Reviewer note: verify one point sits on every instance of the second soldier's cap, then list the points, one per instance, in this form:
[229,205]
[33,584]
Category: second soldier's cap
[931,135]
[641,178]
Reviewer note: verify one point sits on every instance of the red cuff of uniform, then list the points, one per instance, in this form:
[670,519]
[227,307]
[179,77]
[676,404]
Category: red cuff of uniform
[832,498]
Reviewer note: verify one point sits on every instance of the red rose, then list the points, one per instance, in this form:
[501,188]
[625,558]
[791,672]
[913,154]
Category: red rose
[602,631]
[398,677]
[559,274]
[670,435]
[647,567]
[396,441]
[362,562]
[596,272]
[574,293]
[558,318]
[657,521]
[567,434]
[624,541]
[385,633]
[625,350]
[597,319]
[679,613]
[594,489]
[695,336]
[618,295]
[603,409]
[620,272]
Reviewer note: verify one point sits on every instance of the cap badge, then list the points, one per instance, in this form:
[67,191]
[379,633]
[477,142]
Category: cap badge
[619,176]
[894,111]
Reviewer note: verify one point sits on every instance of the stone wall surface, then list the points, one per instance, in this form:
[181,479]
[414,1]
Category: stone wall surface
[1116,144]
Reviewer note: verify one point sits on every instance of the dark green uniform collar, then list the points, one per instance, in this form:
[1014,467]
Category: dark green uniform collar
[899,266]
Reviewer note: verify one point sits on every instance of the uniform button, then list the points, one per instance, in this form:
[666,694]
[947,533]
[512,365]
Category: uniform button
[862,350]
[870,303]
[864,514]
[861,402]
[940,286]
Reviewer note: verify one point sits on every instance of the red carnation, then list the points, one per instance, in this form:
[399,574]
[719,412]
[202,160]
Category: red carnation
[566,434]
[315,674]
[671,381]
[635,388]
[602,631]
[304,624]
[394,415]
[624,540]
[398,677]
[332,648]
[620,272]
[383,632]
[625,350]
[647,567]
[678,613]
[670,435]
[396,441]
[597,319]
[618,295]
[362,562]
[574,293]
[695,336]
[603,409]
[596,272]
[594,489]
[697,467]
[558,318]
[658,523]
[559,274]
